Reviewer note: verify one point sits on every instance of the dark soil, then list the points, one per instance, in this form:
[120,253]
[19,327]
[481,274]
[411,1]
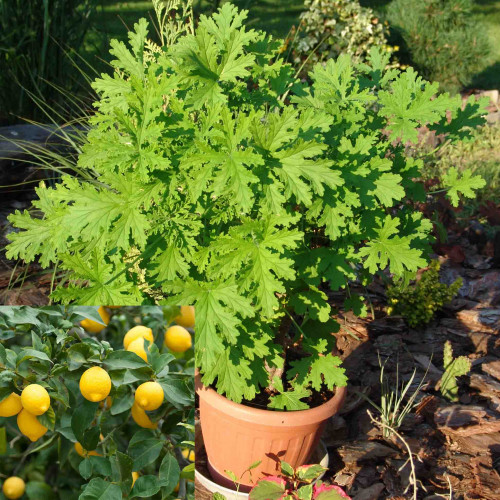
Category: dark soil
[262,400]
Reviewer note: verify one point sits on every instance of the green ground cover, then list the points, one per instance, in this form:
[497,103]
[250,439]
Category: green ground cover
[489,12]
[115,18]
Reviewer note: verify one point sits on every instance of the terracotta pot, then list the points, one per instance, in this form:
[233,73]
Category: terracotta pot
[236,436]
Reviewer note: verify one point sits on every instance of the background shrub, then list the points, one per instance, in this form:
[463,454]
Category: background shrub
[329,28]
[444,41]
[33,38]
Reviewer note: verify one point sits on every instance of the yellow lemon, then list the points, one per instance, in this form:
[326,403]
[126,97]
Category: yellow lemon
[141,419]
[186,317]
[35,399]
[84,453]
[135,476]
[13,487]
[92,326]
[30,426]
[178,339]
[188,454]
[95,384]
[137,346]
[108,403]
[149,396]
[176,489]
[11,405]
[137,332]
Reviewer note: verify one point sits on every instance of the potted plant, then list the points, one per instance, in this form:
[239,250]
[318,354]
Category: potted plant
[218,179]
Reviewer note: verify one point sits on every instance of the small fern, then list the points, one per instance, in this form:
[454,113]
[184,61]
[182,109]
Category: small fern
[453,368]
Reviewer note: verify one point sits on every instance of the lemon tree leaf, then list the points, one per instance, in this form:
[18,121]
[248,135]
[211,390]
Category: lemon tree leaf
[99,489]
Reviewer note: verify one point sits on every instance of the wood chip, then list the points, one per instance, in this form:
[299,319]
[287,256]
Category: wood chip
[484,320]
[466,420]
[362,451]
[478,444]
[488,388]
[492,368]
[487,480]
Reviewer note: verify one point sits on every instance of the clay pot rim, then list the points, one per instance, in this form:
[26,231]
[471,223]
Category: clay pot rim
[271,417]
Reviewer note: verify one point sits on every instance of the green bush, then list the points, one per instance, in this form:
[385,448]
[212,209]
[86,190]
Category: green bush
[222,182]
[34,36]
[444,41]
[418,303]
[329,28]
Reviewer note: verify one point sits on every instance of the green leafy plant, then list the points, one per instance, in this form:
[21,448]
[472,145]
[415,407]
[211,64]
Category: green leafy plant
[82,449]
[329,28]
[33,64]
[296,484]
[222,181]
[418,303]
[453,368]
[444,40]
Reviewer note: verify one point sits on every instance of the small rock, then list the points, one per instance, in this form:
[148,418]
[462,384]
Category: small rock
[492,94]
[493,117]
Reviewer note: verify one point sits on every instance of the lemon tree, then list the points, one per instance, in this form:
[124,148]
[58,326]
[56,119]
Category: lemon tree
[84,415]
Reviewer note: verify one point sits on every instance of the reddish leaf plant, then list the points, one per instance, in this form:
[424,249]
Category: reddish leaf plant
[296,484]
